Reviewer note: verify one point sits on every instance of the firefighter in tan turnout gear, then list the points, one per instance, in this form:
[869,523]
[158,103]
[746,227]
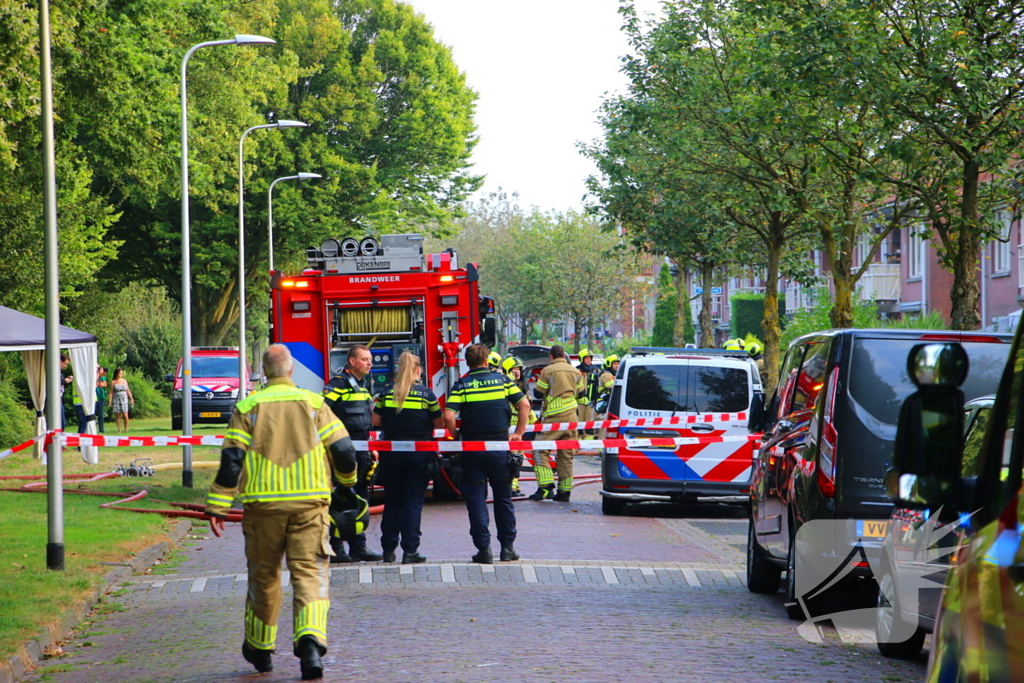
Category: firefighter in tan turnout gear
[560,385]
[281,448]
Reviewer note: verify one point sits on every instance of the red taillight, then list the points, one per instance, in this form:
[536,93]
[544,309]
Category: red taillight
[827,486]
[979,338]
[827,445]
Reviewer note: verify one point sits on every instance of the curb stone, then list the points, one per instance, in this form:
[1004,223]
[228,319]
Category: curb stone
[31,652]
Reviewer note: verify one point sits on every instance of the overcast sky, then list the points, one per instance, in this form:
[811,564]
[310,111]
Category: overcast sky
[541,69]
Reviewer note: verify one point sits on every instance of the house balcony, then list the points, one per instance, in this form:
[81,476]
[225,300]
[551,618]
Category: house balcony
[881,282]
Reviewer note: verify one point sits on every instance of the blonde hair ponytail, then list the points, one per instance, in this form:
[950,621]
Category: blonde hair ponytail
[409,367]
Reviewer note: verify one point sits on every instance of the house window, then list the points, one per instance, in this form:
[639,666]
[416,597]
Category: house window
[915,252]
[863,249]
[1001,247]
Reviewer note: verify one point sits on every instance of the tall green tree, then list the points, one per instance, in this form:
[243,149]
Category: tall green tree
[945,78]
[390,130]
[665,310]
[83,217]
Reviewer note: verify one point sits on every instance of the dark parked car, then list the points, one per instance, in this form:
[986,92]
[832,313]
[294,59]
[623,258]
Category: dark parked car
[828,441]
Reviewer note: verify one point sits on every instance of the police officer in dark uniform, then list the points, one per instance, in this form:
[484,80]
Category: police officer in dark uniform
[348,395]
[484,400]
[407,412]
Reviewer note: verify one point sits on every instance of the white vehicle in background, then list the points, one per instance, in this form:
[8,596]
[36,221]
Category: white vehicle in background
[713,393]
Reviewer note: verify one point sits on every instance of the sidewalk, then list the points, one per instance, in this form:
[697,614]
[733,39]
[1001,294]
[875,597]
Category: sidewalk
[630,598]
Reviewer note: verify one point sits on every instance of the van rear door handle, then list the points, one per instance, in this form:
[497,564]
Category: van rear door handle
[702,428]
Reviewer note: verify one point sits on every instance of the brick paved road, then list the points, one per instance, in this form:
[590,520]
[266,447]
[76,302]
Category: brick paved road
[632,598]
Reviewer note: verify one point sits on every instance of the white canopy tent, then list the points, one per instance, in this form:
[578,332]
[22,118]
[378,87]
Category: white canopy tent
[27,334]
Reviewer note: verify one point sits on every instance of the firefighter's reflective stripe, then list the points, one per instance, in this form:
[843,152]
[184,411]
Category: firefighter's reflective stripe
[279,392]
[239,435]
[219,500]
[559,405]
[332,427]
[312,621]
[306,478]
[261,636]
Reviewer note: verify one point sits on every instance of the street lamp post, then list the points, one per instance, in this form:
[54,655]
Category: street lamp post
[243,378]
[270,210]
[186,265]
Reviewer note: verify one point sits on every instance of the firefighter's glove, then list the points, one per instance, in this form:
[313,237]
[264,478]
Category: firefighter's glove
[371,473]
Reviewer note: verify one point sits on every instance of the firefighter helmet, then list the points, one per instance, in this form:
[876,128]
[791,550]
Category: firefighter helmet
[509,363]
[584,353]
[494,359]
[755,349]
[351,516]
[609,360]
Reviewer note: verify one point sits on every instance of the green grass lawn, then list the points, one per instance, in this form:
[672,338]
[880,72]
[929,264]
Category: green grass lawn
[24,463]
[33,597]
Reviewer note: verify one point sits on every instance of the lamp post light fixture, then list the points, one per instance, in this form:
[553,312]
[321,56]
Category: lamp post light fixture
[243,377]
[186,264]
[270,210]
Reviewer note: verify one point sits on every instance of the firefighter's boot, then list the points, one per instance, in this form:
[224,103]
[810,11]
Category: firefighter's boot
[545,482]
[564,489]
[309,653]
[516,491]
[258,658]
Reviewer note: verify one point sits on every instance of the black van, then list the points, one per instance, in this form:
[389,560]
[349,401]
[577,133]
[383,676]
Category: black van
[829,431]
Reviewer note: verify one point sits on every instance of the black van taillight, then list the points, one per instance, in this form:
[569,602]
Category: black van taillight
[829,438]
[962,338]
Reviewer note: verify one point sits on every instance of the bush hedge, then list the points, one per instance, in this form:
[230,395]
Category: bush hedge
[149,401]
[747,312]
[16,421]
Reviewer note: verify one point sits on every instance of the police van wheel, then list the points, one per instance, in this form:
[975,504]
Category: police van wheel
[762,576]
[612,506]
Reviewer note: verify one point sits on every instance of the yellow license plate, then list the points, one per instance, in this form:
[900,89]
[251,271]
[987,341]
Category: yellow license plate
[209,414]
[874,528]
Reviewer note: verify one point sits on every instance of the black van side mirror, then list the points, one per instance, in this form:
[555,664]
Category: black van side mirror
[168,377]
[929,437]
[755,423]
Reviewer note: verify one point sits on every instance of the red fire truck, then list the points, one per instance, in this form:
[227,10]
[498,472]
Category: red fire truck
[388,296]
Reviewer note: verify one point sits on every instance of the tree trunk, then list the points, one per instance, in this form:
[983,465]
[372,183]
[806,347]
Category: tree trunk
[524,331]
[214,314]
[841,313]
[682,310]
[707,334]
[965,292]
[575,335]
[770,323]
[544,331]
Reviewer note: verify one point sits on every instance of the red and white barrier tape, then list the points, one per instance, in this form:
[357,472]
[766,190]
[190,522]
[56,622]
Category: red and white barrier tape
[637,422]
[22,446]
[614,424]
[73,440]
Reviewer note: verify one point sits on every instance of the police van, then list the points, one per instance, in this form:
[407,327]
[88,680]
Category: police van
[703,395]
